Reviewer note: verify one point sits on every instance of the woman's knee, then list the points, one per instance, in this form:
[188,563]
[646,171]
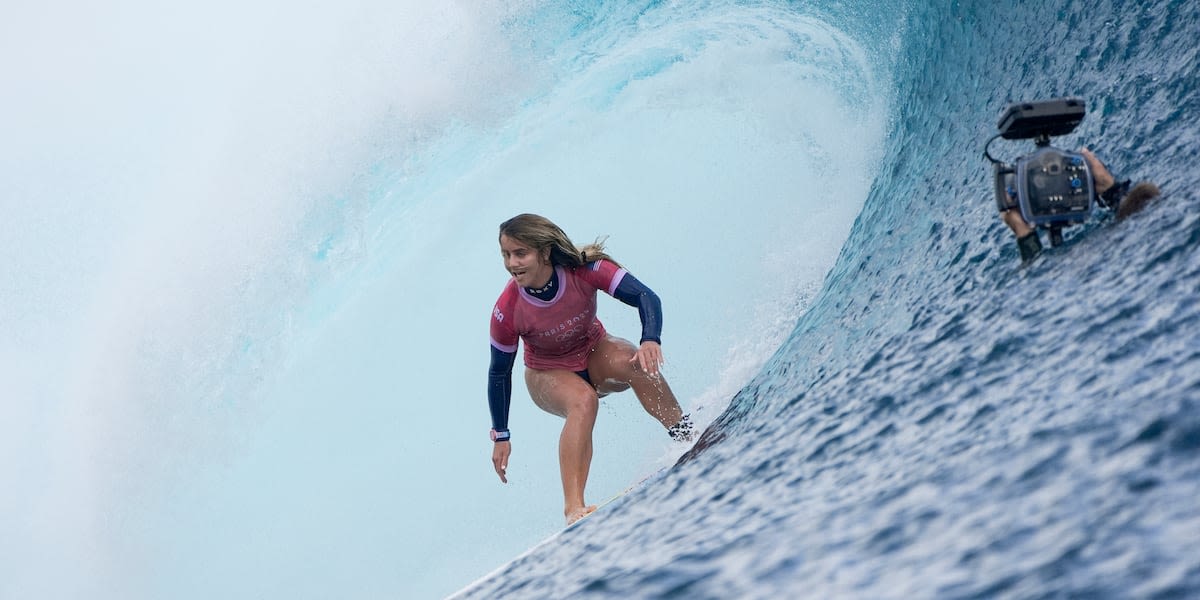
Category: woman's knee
[582,404]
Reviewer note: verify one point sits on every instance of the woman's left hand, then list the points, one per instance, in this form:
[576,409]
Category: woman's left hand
[649,357]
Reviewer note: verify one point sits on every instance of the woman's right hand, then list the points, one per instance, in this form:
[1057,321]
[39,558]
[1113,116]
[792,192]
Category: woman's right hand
[500,452]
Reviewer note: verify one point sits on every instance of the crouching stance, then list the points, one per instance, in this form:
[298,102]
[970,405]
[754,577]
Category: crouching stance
[570,360]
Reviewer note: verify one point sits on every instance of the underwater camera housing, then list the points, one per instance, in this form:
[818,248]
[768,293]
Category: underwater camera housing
[1052,187]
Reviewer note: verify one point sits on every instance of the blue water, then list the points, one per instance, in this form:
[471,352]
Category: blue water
[942,421]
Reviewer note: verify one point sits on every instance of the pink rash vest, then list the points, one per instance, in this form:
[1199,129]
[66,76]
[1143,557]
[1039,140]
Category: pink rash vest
[559,333]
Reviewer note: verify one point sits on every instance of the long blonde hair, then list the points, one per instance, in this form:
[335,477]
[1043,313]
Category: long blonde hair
[540,233]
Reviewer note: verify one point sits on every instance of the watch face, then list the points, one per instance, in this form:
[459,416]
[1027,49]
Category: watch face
[493,435]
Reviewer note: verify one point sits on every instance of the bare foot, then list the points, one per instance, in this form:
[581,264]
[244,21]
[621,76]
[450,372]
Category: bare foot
[580,513]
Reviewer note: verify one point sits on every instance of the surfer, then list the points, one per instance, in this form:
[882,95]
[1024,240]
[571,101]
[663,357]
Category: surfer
[570,359]
[1114,193]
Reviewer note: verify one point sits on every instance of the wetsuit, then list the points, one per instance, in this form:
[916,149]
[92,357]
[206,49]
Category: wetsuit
[558,325]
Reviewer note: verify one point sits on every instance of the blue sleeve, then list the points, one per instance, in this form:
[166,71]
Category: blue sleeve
[635,293]
[500,387]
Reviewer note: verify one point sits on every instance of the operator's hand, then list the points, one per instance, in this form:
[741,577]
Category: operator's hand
[1100,174]
[649,357]
[500,452]
[1016,222]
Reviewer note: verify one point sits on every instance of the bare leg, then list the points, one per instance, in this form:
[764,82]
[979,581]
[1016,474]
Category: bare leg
[567,395]
[612,371]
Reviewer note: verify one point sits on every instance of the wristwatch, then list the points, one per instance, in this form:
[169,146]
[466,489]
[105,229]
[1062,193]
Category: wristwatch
[500,436]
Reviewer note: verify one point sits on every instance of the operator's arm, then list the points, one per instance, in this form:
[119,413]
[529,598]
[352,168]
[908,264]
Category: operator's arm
[1100,174]
[1028,242]
[1108,190]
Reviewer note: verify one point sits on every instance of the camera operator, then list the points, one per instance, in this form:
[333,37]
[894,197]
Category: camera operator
[1051,188]
[1115,195]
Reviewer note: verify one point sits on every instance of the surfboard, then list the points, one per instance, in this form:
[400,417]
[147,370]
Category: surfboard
[659,474]
[698,443]
[654,476]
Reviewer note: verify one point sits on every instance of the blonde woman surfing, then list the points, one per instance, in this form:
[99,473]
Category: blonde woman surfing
[570,360]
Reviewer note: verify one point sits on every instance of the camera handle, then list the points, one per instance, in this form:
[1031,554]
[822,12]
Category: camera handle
[1005,182]
[1056,237]
[1004,176]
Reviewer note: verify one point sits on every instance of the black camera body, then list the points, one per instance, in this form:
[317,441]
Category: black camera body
[1052,187]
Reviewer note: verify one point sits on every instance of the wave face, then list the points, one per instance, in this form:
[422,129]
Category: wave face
[942,421]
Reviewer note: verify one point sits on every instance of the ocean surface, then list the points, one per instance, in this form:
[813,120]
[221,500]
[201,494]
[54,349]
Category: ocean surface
[943,421]
[250,254]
